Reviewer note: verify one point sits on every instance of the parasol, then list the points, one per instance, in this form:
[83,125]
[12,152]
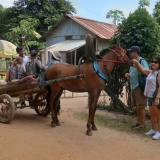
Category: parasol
[7,49]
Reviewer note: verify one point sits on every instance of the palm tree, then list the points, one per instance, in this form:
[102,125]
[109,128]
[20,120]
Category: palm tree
[24,34]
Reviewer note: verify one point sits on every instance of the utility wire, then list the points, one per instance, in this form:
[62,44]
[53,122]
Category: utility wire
[88,9]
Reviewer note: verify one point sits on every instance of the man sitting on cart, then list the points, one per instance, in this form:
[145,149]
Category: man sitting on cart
[34,66]
[15,72]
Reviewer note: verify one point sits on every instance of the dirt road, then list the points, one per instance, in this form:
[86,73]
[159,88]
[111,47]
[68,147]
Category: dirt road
[30,137]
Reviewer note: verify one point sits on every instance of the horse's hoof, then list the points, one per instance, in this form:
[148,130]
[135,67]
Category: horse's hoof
[53,124]
[89,133]
[94,128]
[58,124]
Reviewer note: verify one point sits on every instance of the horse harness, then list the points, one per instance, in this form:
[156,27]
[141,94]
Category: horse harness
[96,70]
[96,67]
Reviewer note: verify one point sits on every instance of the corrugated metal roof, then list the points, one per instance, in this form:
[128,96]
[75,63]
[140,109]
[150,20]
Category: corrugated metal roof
[66,46]
[101,29]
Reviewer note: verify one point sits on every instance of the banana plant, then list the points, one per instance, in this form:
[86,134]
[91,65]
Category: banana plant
[24,34]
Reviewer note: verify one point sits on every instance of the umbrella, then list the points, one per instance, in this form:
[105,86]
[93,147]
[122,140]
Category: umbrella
[7,49]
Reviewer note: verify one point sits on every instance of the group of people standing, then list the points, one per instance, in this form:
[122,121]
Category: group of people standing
[140,98]
[28,68]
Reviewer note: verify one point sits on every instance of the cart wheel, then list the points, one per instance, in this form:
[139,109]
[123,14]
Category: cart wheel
[7,108]
[41,104]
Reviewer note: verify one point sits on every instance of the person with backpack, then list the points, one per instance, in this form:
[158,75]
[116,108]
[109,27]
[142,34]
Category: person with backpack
[34,66]
[152,92]
[138,99]
[33,70]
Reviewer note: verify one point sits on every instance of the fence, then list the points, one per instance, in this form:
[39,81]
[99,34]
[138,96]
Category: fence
[104,97]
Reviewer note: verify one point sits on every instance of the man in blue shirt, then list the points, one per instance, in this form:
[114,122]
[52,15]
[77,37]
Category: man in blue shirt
[138,99]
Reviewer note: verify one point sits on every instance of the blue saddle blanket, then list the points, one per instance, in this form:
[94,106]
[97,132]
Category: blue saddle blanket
[99,72]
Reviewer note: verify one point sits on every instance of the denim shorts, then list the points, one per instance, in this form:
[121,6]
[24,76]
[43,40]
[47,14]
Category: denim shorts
[150,101]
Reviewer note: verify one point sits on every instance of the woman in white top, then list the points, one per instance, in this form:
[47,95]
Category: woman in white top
[153,76]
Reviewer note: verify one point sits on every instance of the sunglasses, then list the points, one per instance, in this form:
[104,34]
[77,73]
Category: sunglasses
[154,62]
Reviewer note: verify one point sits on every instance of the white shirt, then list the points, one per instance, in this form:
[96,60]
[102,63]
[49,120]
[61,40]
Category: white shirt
[151,84]
[25,60]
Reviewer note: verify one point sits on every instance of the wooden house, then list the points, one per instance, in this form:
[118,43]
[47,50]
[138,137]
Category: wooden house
[68,37]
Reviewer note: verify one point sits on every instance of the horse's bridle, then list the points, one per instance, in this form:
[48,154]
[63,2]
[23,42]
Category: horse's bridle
[121,54]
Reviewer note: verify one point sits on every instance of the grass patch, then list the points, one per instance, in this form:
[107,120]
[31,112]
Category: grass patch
[122,123]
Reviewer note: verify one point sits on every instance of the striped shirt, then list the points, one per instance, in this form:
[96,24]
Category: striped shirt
[16,72]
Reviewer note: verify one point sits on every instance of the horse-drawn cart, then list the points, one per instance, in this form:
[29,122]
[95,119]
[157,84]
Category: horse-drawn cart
[12,95]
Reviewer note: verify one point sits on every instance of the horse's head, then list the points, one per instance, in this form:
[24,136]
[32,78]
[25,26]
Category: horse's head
[111,56]
[120,53]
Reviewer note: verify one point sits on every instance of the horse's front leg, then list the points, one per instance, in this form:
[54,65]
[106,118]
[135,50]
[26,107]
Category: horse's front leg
[92,108]
[57,106]
[51,104]
[94,128]
[55,111]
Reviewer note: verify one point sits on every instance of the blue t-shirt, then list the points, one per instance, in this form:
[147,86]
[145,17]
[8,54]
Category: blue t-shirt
[134,73]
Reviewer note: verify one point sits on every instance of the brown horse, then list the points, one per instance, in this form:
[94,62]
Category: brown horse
[93,81]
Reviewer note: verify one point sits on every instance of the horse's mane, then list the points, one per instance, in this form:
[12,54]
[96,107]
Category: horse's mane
[89,54]
[103,52]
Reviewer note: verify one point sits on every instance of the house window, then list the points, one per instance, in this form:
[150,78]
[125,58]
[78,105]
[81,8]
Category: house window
[68,37]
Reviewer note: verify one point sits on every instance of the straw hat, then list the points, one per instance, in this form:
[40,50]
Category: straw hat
[56,55]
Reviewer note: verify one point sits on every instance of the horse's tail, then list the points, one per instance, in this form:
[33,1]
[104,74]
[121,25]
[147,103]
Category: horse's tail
[89,54]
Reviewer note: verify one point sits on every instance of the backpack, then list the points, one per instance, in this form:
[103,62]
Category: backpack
[141,78]
[33,69]
[30,68]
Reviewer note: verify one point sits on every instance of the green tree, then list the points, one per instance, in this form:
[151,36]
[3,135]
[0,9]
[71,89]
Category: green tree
[3,23]
[25,14]
[48,12]
[141,29]
[24,34]
[144,3]
[156,12]
[117,16]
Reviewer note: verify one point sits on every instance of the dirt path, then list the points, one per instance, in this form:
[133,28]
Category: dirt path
[30,137]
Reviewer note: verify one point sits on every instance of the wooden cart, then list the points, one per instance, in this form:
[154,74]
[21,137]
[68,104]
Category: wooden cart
[12,95]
